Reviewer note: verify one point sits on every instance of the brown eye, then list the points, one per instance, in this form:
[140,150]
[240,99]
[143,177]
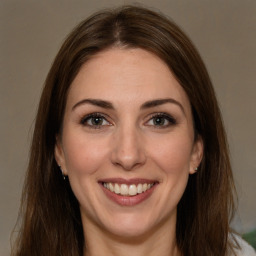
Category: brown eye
[161,120]
[94,120]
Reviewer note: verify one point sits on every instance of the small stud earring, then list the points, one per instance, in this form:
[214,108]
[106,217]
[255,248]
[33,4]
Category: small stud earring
[196,169]
[63,175]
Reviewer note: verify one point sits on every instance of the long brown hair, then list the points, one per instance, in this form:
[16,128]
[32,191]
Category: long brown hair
[51,222]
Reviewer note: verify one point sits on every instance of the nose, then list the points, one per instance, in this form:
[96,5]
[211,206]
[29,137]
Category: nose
[128,149]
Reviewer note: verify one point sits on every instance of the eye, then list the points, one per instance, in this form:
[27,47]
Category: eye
[161,120]
[95,120]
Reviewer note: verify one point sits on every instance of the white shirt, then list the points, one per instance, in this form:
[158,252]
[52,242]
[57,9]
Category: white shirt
[246,249]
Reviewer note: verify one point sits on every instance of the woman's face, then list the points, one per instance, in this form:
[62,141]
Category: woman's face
[127,143]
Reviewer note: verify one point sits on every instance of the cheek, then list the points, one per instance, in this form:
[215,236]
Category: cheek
[84,155]
[172,158]
[173,155]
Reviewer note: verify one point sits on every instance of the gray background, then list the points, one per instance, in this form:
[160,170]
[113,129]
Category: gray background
[31,33]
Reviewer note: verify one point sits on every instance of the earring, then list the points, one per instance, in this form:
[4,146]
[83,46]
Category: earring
[63,175]
[196,169]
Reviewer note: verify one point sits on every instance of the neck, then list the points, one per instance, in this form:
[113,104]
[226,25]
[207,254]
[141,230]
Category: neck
[161,241]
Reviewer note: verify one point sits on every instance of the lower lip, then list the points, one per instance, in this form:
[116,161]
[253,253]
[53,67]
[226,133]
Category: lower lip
[128,200]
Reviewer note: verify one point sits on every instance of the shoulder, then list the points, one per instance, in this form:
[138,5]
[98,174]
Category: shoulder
[245,248]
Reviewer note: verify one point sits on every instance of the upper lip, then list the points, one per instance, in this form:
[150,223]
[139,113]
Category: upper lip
[134,181]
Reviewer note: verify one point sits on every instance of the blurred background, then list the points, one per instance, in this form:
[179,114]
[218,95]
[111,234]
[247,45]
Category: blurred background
[31,33]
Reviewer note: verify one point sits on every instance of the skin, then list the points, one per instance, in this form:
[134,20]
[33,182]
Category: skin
[128,143]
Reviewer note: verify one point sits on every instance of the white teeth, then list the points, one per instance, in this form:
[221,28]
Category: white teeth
[116,189]
[111,187]
[139,189]
[127,190]
[132,190]
[124,190]
[144,187]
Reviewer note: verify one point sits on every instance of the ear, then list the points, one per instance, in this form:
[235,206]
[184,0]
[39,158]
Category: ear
[196,155]
[59,155]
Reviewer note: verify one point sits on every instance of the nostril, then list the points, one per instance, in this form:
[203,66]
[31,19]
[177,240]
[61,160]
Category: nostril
[127,149]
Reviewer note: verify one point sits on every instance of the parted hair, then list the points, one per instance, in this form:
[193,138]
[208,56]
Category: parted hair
[50,221]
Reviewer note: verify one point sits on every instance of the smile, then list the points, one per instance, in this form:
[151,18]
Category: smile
[127,190]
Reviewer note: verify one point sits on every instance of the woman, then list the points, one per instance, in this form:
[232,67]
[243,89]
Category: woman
[129,154]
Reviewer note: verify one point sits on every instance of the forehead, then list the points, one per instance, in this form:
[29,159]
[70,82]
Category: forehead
[126,75]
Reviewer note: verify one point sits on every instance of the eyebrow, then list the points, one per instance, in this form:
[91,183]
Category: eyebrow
[158,102]
[146,105]
[95,102]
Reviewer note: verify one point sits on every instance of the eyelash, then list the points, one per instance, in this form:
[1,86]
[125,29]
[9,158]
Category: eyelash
[84,121]
[171,121]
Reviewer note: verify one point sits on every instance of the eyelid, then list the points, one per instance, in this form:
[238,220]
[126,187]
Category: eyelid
[85,118]
[168,117]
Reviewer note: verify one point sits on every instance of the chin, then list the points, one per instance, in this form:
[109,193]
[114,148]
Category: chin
[131,226]
[129,232]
